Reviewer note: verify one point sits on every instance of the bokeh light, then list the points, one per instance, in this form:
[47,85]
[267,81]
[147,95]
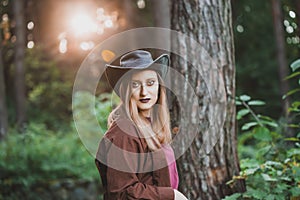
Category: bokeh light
[63,46]
[30,25]
[240,28]
[292,14]
[83,27]
[30,44]
[107,55]
[141,4]
[82,24]
[86,46]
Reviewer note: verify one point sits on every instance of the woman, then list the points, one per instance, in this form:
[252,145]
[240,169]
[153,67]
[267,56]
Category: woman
[134,158]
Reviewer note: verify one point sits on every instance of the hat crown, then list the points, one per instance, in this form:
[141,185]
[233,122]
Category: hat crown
[136,59]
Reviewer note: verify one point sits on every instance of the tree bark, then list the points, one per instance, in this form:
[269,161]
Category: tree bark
[18,6]
[281,57]
[3,107]
[208,22]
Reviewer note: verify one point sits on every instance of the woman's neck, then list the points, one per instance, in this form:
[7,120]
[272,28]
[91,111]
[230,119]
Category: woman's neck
[145,117]
[145,113]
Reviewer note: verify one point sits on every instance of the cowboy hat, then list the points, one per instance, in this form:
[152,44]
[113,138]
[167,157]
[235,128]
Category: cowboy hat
[136,60]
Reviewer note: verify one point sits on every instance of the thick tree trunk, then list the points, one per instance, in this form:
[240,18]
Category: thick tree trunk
[281,57]
[3,110]
[209,23]
[20,34]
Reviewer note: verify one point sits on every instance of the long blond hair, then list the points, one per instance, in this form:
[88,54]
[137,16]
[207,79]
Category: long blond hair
[159,132]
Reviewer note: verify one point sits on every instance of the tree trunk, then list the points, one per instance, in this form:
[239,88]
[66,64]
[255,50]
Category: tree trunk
[281,57]
[161,18]
[129,14]
[18,6]
[3,109]
[207,65]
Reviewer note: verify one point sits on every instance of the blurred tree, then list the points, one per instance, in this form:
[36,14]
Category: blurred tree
[161,13]
[256,56]
[19,16]
[210,24]
[161,18]
[255,53]
[3,109]
[281,52]
[129,13]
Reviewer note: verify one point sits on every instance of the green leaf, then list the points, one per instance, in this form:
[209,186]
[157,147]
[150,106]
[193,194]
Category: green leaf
[233,196]
[281,187]
[256,103]
[272,124]
[248,125]
[294,125]
[251,171]
[245,97]
[266,177]
[249,163]
[293,152]
[291,92]
[258,194]
[296,171]
[273,163]
[264,150]
[263,134]
[292,75]
[238,103]
[270,197]
[292,139]
[295,191]
[296,104]
[242,113]
[295,65]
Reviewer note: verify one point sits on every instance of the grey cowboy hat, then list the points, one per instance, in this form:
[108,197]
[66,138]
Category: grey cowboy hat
[133,61]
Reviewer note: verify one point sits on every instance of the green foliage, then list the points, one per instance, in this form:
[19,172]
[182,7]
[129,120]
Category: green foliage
[256,66]
[270,162]
[49,94]
[90,115]
[87,107]
[39,156]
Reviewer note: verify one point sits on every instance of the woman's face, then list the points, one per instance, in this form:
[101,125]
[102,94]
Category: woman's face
[144,86]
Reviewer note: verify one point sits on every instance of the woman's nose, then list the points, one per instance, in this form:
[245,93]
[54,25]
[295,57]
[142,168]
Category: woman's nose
[144,90]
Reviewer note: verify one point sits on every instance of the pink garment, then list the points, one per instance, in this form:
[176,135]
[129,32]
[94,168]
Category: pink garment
[169,153]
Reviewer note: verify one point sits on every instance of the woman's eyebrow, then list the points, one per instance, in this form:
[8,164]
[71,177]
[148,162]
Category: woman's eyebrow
[133,80]
[151,78]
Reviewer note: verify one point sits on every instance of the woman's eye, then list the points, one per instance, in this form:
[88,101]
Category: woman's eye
[150,82]
[135,84]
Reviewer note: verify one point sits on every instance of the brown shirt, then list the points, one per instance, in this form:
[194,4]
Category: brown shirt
[127,168]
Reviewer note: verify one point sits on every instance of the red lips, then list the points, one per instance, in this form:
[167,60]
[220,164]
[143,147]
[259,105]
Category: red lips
[145,100]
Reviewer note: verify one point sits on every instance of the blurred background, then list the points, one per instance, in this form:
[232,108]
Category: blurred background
[43,44]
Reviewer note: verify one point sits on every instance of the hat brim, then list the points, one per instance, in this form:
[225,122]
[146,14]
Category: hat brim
[115,73]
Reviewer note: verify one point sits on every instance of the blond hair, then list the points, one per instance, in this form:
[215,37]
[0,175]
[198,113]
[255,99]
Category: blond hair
[158,132]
